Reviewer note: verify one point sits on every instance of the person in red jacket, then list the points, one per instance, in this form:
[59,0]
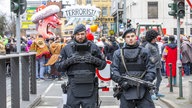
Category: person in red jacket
[170,56]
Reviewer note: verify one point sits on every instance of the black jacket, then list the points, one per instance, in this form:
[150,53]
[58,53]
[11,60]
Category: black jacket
[142,60]
[69,50]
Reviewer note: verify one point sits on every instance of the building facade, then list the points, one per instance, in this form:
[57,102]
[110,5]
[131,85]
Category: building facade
[105,21]
[155,12]
[67,31]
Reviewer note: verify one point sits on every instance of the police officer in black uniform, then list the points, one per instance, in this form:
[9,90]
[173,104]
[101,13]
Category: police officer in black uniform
[79,59]
[138,65]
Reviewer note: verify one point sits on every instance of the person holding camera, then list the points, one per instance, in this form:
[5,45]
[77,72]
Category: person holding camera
[132,61]
[79,59]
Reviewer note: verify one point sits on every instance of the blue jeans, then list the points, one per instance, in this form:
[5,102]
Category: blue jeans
[47,68]
[158,81]
[186,67]
[163,68]
[191,68]
[40,68]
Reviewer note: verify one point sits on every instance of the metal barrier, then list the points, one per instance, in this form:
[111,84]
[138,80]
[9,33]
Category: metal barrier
[27,72]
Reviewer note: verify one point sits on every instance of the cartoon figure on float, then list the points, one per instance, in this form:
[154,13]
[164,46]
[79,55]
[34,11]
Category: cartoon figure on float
[45,19]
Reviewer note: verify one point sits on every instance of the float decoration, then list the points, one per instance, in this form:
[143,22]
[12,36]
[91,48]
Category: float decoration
[93,28]
[77,13]
[45,19]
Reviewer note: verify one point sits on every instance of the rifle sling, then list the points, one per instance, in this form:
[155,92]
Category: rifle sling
[123,61]
[122,58]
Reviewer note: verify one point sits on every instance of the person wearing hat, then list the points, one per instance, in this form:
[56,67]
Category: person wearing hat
[151,37]
[133,60]
[43,52]
[79,59]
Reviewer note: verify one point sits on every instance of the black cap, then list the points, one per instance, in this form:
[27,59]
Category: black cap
[130,30]
[79,28]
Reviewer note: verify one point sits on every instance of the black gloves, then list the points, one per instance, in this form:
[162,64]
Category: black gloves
[69,61]
[93,60]
[149,77]
[82,59]
[125,85]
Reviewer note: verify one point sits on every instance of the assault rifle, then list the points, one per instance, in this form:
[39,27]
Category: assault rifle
[132,82]
[135,81]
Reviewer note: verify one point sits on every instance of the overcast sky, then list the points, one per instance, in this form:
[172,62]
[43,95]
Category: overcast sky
[5,6]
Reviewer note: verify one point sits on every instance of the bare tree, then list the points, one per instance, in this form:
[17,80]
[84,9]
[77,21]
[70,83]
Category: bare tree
[3,23]
[7,24]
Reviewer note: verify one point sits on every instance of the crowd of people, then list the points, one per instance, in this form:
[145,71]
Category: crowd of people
[146,57]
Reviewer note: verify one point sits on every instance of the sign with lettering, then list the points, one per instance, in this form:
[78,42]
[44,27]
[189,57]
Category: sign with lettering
[77,13]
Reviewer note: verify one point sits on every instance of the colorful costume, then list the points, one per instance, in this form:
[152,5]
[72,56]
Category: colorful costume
[2,48]
[170,56]
[3,42]
[40,47]
[55,49]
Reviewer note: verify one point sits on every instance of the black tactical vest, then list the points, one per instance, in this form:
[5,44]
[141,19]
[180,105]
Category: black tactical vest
[134,62]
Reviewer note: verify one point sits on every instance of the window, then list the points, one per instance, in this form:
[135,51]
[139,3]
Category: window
[88,1]
[65,22]
[112,26]
[181,31]
[66,32]
[152,10]
[104,11]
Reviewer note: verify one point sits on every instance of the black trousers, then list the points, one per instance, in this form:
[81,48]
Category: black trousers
[145,102]
[84,102]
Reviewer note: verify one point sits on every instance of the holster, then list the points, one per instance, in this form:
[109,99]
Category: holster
[64,88]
